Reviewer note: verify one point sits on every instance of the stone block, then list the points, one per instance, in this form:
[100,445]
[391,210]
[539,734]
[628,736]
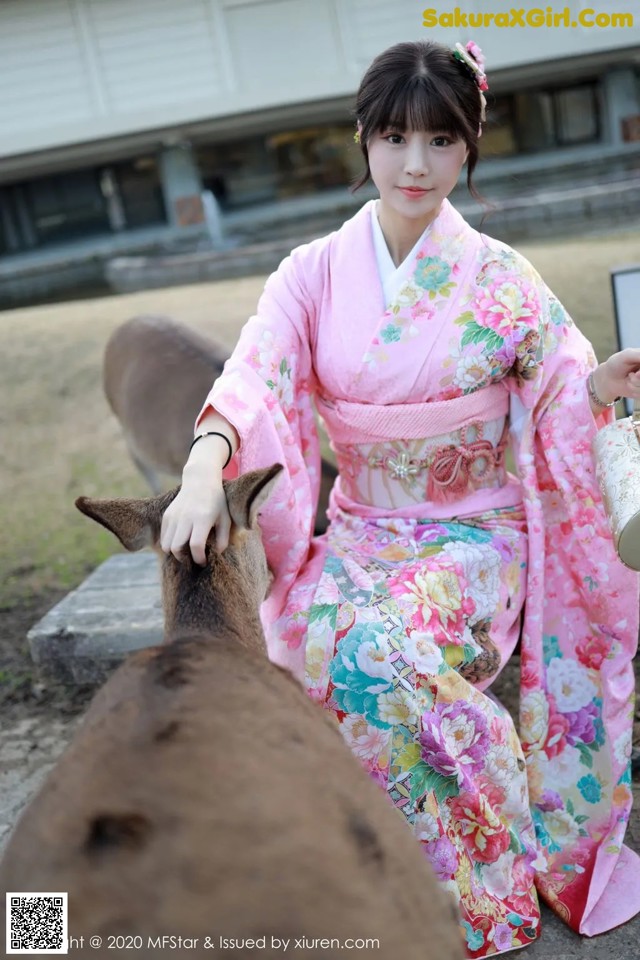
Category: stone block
[115,611]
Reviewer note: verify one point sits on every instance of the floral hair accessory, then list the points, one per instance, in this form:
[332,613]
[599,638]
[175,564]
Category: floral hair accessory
[356,137]
[473,58]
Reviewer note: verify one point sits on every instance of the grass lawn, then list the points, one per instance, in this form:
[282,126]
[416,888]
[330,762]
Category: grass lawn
[60,439]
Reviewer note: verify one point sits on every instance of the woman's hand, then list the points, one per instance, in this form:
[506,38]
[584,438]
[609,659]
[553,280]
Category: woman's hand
[201,503]
[619,376]
[200,506]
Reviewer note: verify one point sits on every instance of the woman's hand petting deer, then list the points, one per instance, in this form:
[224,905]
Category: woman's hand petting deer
[201,504]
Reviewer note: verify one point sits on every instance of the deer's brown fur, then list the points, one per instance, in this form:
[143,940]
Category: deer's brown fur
[205,794]
[156,376]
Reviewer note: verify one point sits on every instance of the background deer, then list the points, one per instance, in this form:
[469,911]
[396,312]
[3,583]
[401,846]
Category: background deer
[156,375]
[205,794]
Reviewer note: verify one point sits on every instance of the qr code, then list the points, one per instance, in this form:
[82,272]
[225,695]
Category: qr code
[37,923]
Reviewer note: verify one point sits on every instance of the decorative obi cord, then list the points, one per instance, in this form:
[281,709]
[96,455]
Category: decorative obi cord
[434,454]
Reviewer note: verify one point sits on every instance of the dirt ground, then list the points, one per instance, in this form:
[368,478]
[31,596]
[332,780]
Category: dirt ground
[23,694]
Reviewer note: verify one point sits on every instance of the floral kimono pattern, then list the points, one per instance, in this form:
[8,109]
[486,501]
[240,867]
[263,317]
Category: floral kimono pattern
[398,619]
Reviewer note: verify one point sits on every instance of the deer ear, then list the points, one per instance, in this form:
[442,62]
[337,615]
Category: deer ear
[247,493]
[136,523]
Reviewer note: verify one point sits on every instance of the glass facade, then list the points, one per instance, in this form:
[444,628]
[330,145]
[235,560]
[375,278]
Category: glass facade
[289,163]
[238,173]
[537,120]
[93,202]
[140,192]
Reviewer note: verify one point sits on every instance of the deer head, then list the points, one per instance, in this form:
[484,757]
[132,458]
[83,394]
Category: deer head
[197,597]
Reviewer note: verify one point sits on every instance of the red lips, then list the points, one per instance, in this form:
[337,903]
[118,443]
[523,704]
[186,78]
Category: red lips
[413,191]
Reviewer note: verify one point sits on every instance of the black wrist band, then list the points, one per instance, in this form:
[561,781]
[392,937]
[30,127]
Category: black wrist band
[214,433]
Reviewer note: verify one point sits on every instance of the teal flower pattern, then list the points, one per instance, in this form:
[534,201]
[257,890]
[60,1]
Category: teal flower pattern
[432,273]
[363,649]
[590,788]
[390,334]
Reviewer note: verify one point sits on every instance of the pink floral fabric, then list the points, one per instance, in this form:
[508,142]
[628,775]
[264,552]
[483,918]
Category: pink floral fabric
[398,620]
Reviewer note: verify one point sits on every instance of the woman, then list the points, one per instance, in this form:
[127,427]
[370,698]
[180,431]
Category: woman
[424,344]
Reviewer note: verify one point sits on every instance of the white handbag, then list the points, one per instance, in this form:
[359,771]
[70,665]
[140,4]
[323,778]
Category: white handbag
[616,449]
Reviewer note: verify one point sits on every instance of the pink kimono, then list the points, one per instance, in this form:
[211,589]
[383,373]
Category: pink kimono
[437,559]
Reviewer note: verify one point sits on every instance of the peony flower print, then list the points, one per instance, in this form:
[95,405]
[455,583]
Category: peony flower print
[471,372]
[560,827]
[502,303]
[502,936]
[391,333]
[359,675]
[501,766]
[582,724]
[367,741]
[372,659]
[534,719]
[498,876]
[440,604]
[622,747]
[550,800]
[426,826]
[483,832]
[421,650]
[590,788]
[557,730]
[455,740]
[569,683]
[565,769]
[432,273]
[398,708]
[408,295]
[593,650]
[443,857]
[481,565]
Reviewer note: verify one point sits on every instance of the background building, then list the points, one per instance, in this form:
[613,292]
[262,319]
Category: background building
[121,120]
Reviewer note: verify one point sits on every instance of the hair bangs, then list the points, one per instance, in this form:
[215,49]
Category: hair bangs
[421,104]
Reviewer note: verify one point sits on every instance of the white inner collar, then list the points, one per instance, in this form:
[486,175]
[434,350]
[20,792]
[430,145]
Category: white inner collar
[391,277]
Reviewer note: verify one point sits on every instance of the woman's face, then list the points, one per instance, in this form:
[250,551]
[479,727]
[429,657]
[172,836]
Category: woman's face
[428,162]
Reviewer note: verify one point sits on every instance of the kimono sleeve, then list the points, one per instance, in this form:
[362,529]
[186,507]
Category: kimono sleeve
[265,392]
[580,626]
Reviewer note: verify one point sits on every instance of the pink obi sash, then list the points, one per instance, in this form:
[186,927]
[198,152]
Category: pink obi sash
[425,455]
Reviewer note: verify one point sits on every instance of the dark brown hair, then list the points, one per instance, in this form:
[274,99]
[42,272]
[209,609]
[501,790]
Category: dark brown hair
[419,85]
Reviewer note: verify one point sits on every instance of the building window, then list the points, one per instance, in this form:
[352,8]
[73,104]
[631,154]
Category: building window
[239,174]
[140,192]
[533,114]
[81,204]
[499,132]
[11,236]
[545,119]
[576,115]
[314,159]
[67,206]
[290,163]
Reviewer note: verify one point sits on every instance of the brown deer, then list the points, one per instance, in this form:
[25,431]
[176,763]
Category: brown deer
[156,376]
[206,795]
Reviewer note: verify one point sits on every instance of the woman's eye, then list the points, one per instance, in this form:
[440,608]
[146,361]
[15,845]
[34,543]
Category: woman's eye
[394,138]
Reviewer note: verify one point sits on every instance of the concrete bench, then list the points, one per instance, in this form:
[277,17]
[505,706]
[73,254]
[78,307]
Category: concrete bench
[115,611]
